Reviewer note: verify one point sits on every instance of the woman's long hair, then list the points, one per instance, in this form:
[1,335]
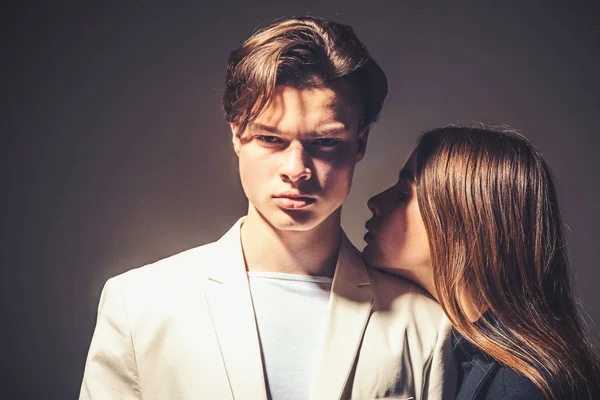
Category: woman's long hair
[496,236]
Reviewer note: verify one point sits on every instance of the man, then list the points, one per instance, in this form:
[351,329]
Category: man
[282,306]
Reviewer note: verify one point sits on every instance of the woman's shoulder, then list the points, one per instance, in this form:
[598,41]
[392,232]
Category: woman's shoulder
[509,384]
[483,377]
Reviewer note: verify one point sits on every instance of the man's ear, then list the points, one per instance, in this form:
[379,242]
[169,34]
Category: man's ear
[363,137]
[235,138]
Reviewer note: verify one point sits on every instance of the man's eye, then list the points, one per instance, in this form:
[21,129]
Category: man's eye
[326,142]
[269,139]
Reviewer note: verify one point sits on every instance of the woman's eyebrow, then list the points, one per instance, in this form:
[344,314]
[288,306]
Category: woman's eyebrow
[407,174]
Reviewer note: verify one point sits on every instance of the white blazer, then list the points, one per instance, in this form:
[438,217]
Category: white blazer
[184,328]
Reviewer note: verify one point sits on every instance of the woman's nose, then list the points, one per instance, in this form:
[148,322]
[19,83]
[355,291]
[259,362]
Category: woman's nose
[373,206]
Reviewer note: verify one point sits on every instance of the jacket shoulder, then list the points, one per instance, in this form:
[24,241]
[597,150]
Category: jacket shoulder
[158,291]
[191,264]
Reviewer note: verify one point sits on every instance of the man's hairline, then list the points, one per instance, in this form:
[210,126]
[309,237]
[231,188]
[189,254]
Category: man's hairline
[349,97]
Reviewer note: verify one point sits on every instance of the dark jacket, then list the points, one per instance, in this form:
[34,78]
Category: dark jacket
[482,377]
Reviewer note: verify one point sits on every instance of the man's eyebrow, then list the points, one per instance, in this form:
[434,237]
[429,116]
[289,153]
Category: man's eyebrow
[263,127]
[320,132]
[328,131]
[407,174]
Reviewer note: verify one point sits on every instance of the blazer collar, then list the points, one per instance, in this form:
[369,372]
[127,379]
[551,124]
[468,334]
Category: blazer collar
[230,303]
[481,369]
[349,268]
[230,256]
[350,307]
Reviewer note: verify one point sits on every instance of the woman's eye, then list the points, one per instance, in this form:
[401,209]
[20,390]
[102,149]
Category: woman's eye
[403,192]
[326,142]
[402,195]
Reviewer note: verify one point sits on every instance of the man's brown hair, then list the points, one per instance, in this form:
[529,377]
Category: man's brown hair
[305,52]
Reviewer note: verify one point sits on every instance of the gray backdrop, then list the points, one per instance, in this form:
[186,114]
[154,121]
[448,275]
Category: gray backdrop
[115,154]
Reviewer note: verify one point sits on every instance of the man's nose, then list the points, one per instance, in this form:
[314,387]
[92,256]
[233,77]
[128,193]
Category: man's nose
[295,167]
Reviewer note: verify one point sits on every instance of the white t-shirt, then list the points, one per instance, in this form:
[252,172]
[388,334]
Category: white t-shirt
[291,312]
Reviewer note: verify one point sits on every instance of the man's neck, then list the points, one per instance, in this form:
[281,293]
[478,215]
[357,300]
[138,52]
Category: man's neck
[312,252]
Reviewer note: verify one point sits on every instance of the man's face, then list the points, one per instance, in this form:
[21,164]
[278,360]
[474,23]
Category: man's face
[297,158]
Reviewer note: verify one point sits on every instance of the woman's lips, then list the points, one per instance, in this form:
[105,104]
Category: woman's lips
[368,236]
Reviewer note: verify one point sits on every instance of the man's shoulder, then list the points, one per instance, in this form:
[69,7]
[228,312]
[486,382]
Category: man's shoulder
[399,296]
[392,287]
[165,290]
[188,264]
[399,305]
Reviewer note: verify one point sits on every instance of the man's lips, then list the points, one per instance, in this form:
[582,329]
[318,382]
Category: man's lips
[293,200]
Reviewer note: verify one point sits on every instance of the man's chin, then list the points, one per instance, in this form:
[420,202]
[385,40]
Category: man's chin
[292,220]
[300,220]
[298,223]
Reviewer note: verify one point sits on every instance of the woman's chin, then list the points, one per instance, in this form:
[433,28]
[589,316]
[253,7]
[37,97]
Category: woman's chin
[369,256]
[401,272]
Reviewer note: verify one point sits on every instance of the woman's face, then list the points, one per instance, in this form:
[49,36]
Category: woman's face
[396,237]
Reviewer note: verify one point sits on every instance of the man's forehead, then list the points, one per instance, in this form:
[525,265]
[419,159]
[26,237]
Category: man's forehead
[321,108]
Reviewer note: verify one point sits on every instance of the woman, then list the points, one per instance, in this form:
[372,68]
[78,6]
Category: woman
[474,220]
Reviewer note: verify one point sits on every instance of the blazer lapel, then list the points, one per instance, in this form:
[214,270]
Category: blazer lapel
[349,311]
[230,303]
[482,368]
